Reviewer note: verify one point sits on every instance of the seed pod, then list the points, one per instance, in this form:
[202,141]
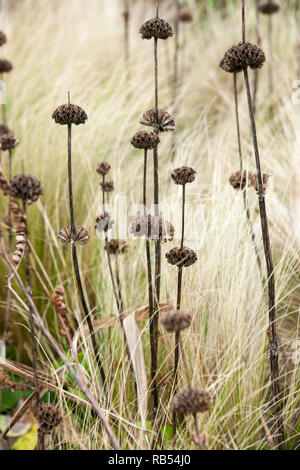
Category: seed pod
[8,142]
[58,302]
[5,66]
[69,114]
[181,257]
[152,227]
[239,180]
[104,223]
[48,417]
[254,181]
[2,38]
[191,400]
[175,320]
[269,8]
[108,186]
[185,15]
[4,184]
[26,187]
[156,28]
[103,168]
[81,235]
[145,140]
[18,215]
[241,56]
[183,175]
[165,122]
[20,249]
[117,246]
[4,129]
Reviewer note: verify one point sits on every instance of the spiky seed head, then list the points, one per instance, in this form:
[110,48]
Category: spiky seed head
[2,38]
[165,122]
[152,227]
[8,142]
[4,184]
[4,129]
[145,140]
[69,114]
[191,400]
[185,15]
[241,56]
[254,181]
[26,187]
[183,175]
[239,180]
[81,235]
[48,417]
[104,223]
[181,257]
[156,28]
[107,187]
[269,8]
[117,246]
[175,320]
[5,66]
[103,168]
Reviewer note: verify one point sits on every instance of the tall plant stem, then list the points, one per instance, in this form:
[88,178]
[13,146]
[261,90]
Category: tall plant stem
[10,243]
[256,72]
[75,263]
[3,105]
[252,233]
[272,332]
[270,40]
[176,50]
[126,15]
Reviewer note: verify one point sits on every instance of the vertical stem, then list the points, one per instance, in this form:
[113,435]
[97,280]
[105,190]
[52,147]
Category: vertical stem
[243,22]
[118,279]
[176,50]
[273,340]
[10,242]
[126,15]
[256,72]
[3,105]
[270,40]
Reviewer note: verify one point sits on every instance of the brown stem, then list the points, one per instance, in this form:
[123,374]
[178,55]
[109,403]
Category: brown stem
[176,50]
[10,243]
[3,105]
[243,22]
[273,340]
[270,41]
[256,72]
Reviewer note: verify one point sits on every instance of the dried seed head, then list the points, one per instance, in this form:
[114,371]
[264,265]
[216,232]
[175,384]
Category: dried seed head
[4,184]
[254,181]
[8,142]
[104,222]
[26,187]
[241,56]
[165,122]
[185,15]
[117,246]
[175,320]
[181,257]
[18,215]
[48,417]
[268,8]
[108,186]
[145,140]
[5,66]
[59,304]
[239,180]
[191,400]
[2,38]
[152,227]
[81,235]
[69,114]
[20,248]
[4,129]
[156,28]
[103,168]
[183,175]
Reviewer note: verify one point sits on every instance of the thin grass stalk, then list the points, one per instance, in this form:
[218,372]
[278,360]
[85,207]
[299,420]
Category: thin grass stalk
[118,281]
[270,41]
[272,332]
[10,247]
[176,50]
[256,71]
[4,118]
[126,16]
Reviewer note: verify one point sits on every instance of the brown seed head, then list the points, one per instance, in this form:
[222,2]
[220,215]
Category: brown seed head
[185,15]
[269,8]
[156,28]
[59,304]
[26,187]
[108,186]
[20,248]
[165,122]
[181,257]
[175,320]
[81,235]
[103,168]
[4,184]
[117,246]
[4,129]
[239,180]
[152,227]
[48,417]
[191,400]
[5,66]
[145,140]
[8,142]
[104,223]
[69,114]
[183,175]
[241,56]
[2,38]
[254,181]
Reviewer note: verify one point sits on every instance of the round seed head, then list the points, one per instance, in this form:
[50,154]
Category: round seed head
[5,66]
[156,28]
[81,235]
[26,187]
[145,140]
[8,142]
[104,223]
[117,246]
[2,38]
[108,186]
[69,114]
[268,8]
[183,175]
[175,320]
[152,227]
[239,180]
[185,15]
[48,417]
[4,129]
[191,400]
[103,168]
[165,122]
[181,257]
[241,56]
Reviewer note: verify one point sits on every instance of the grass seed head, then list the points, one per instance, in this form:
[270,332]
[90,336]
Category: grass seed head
[156,28]
[165,122]
[241,56]
[145,140]
[181,257]
[26,187]
[183,175]
[175,320]
[69,114]
[191,400]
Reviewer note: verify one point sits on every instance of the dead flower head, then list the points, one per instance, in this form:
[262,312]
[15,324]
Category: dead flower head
[145,140]
[26,187]
[156,28]
[241,56]
[152,227]
[191,400]
[181,257]
[175,320]
[67,114]
[81,235]
[183,175]
[165,122]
